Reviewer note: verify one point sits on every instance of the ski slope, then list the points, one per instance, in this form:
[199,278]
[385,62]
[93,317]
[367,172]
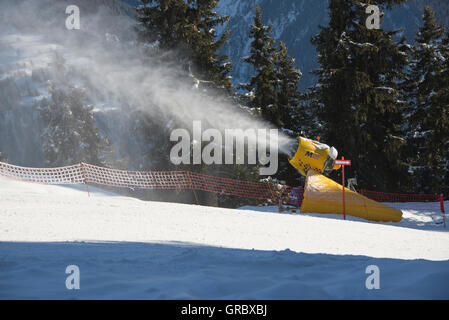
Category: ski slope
[128,248]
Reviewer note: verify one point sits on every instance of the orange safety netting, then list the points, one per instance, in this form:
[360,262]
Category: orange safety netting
[179,180]
[399,197]
[63,175]
[162,180]
[168,180]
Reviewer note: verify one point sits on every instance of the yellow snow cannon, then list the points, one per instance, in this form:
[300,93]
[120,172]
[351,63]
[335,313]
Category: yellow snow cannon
[322,195]
[306,154]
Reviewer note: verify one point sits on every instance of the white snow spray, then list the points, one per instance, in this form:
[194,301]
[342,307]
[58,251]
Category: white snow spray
[103,57]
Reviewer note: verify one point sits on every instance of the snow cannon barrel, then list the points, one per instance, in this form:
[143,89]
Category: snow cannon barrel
[305,154]
[323,195]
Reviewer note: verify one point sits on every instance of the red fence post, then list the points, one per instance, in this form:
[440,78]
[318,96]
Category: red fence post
[343,163]
[442,209]
[85,179]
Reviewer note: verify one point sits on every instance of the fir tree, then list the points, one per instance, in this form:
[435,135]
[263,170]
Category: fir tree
[444,96]
[262,86]
[358,98]
[273,90]
[70,136]
[208,62]
[188,30]
[288,95]
[429,106]
[291,111]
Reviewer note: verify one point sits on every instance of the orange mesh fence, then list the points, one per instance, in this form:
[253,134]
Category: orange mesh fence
[168,180]
[226,186]
[162,180]
[399,197]
[63,175]
[181,180]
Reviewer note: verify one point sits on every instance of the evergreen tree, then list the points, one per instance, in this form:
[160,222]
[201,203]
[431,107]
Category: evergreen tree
[273,90]
[70,136]
[210,64]
[288,96]
[262,87]
[444,95]
[188,30]
[429,106]
[358,98]
[292,112]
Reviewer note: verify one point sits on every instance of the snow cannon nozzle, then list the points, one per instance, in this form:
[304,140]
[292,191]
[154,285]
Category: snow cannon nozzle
[291,148]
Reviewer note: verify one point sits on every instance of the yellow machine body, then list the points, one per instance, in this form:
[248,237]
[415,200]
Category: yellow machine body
[314,155]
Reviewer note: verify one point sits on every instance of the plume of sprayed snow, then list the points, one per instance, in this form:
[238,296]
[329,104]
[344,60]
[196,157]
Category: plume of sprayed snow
[104,57]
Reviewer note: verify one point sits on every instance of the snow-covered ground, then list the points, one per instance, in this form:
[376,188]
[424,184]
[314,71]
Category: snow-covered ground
[128,248]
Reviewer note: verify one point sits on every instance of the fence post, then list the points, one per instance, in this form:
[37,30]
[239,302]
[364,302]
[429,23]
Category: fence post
[85,179]
[193,189]
[442,209]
